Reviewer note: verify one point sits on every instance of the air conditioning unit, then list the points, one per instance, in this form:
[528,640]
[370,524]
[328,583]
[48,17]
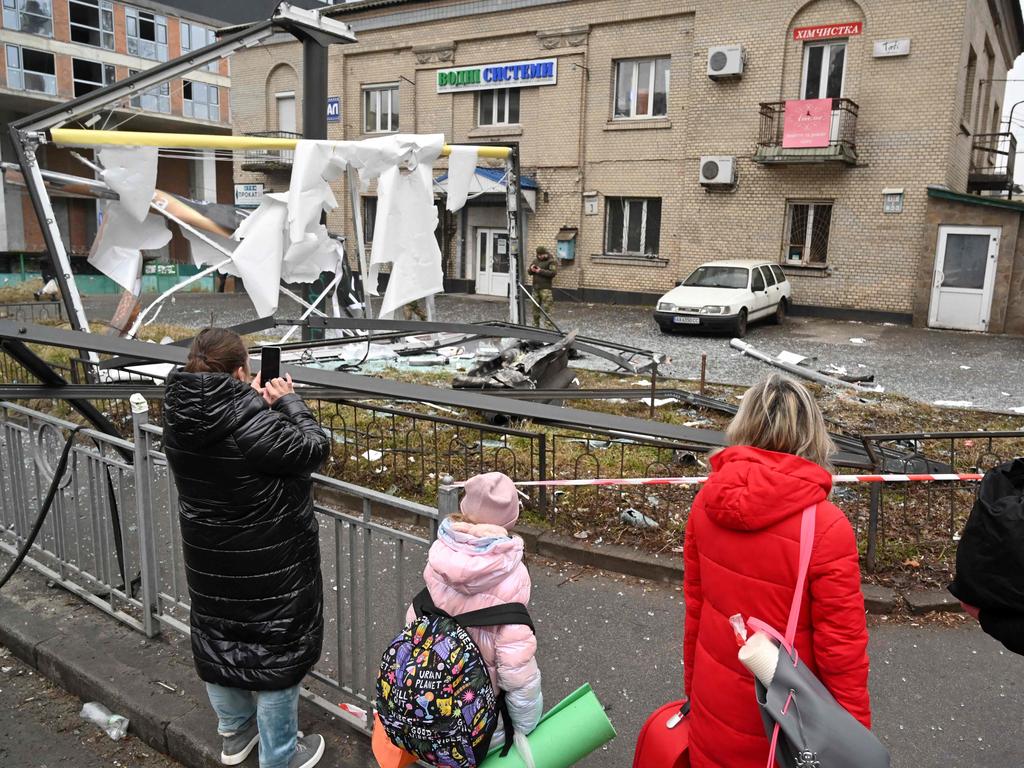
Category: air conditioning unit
[725,61]
[718,171]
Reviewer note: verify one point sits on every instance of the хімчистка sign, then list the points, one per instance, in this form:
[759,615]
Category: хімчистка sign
[483,77]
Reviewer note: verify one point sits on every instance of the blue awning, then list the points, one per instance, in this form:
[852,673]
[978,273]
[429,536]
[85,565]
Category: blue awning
[493,175]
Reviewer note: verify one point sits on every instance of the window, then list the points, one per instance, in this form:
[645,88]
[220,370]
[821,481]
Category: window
[824,70]
[779,274]
[29,70]
[32,16]
[719,277]
[972,73]
[202,101]
[807,229]
[380,109]
[90,75]
[633,226]
[156,99]
[641,88]
[369,217]
[756,280]
[196,36]
[147,34]
[92,22]
[769,276]
[499,107]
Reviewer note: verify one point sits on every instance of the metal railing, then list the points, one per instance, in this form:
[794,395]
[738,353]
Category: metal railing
[993,156]
[33,311]
[843,134]
[270,159]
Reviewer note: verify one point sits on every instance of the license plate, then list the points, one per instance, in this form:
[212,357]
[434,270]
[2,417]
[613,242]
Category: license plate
[686,320]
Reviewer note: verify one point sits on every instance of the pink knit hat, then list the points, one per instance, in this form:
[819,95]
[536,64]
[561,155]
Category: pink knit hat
[491,499]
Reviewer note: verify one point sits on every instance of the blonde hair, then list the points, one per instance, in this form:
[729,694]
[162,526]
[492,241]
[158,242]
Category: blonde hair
[779,414]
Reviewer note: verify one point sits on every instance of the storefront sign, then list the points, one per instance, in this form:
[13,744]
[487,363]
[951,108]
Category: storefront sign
[333,109]
[515,74]
[826,31]
[808,123]
[248,195]
[886,48]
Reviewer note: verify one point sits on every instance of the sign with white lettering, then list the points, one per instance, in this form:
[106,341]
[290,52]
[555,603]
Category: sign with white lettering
[248,195]
[886,48]
[484,77]
[333,109]
[827,31]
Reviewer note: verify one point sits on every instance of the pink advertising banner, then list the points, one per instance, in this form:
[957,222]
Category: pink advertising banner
[808,123]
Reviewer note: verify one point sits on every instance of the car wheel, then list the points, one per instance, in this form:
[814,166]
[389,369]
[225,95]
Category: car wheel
[740,328]
[666,329]
[780,312]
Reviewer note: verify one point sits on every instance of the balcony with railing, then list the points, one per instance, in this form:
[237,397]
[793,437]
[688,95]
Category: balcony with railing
[790,139]
[992,161]
[268,160]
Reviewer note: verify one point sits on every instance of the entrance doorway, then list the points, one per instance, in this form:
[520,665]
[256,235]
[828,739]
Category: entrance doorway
[824,75]
[965,272]
[492,262]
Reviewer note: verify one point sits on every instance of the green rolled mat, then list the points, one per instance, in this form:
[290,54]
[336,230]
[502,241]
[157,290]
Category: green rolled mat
[569,732]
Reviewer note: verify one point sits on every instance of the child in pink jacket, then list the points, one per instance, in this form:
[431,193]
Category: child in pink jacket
[475,564]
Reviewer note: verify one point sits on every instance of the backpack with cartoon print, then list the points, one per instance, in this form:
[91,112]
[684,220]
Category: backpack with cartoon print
[434,694]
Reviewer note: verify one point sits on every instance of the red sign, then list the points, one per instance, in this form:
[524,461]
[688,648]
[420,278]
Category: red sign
[807,123]
[825,31]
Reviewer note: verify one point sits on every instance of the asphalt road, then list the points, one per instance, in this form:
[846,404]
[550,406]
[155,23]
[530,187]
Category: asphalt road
[40,728]
[982,370]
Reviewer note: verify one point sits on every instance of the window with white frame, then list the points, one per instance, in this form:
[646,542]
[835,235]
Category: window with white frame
[155,99]
[92,22]
[195,36]
[380,108]
[90,75]
[29,70]
[498,107]
[632,226]
[641,88]
[147,34]
[34,17]
[202,101]
[807,230]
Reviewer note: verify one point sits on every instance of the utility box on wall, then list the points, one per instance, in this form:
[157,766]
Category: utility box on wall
[566,244]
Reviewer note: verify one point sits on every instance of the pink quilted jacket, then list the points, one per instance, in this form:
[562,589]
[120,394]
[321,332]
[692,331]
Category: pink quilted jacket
[476,566]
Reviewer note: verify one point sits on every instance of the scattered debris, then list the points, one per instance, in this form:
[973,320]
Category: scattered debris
[658,402]
[581,535]
[796,370]
[858,340]
[790,357]
[638,519]
[115,726]
[372,455]
[167,686]
[953,403]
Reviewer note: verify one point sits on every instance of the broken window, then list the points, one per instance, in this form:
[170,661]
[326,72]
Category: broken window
[147,34]
[29,70]
[807,231]
[156,99]
[195,36]
[34,17]
[632,226]
[90,75]
[202,101]
[92,22]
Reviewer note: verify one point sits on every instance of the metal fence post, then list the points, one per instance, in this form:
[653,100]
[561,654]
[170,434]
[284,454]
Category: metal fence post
[447,499]
[871,555]
[146,518]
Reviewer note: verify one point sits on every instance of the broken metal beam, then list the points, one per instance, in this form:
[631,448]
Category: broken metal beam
[796,370]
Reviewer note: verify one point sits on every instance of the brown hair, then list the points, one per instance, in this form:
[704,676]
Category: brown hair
[217,350]
[779,414]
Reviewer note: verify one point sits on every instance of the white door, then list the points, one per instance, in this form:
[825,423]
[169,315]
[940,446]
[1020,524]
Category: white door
[492,262]
[824,75]
[762,298]
[286,112]
[965,272]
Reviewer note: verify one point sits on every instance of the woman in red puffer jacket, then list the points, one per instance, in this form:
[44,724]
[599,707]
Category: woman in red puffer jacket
[741,556]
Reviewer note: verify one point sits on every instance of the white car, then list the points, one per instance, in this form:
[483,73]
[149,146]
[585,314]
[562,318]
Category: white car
[726,296]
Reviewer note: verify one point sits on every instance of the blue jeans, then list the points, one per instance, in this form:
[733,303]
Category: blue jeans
[277,715]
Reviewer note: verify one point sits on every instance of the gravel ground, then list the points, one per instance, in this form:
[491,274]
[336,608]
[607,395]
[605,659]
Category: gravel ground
[984,371]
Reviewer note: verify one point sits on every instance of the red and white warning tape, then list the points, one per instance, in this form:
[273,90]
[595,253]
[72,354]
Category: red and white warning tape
[836,479]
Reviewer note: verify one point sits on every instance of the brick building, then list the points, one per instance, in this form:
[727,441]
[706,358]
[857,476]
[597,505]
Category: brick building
[662,134]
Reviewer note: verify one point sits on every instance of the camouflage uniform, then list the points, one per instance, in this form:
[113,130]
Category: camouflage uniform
[542,287]
[414,308]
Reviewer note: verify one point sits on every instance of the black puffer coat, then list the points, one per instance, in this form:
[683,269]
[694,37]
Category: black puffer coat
[250,538]
[990,557]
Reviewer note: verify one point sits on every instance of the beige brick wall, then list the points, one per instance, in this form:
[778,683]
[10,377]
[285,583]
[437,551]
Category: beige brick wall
[908,131]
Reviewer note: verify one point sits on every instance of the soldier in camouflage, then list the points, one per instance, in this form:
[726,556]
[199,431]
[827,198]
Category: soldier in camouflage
[543,270]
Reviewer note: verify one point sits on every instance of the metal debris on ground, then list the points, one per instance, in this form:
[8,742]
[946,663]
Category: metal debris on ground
[638,519]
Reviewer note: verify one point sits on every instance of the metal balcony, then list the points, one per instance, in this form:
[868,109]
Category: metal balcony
[842,139]
[992,161]
[269,160]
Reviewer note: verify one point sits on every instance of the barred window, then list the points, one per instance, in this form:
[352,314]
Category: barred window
[807,229]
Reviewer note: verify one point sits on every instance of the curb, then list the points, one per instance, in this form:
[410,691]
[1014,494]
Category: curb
[97,659]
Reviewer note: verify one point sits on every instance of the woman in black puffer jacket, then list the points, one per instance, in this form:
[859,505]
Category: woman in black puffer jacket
[241,455]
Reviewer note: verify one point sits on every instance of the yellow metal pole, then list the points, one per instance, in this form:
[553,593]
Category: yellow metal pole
[76,137]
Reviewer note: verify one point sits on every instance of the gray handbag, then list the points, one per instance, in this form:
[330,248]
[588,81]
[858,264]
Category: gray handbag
[808,728]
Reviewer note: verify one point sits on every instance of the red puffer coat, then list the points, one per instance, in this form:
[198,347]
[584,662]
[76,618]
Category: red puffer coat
[742,551]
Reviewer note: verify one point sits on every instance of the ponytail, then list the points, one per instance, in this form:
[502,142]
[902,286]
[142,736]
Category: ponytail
[216,350]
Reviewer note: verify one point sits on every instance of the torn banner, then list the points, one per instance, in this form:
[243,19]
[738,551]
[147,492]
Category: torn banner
[461,172]
[131,172]
[117,249]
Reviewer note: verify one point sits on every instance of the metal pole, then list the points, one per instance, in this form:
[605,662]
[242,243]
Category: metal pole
[871,555]
[144,506]
[517,267]
[314,123]
[703,372]
[357,222]
[447,499]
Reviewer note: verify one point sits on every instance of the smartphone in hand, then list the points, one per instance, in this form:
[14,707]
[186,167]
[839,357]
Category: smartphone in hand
[270,364]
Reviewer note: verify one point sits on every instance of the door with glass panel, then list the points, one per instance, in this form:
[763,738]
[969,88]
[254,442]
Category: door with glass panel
[492,262]
[824,75]
[965,273]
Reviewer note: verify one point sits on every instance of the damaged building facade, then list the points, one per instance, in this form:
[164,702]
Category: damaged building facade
[849,141]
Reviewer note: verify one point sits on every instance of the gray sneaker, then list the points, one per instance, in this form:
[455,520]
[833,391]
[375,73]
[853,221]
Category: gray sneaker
[238,745]
[308,751]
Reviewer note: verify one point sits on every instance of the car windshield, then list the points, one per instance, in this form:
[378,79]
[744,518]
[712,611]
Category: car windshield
[719,277]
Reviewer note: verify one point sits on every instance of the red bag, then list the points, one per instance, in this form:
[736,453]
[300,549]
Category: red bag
[664,741]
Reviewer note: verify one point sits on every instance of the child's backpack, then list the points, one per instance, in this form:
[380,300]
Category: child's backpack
[434,694]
